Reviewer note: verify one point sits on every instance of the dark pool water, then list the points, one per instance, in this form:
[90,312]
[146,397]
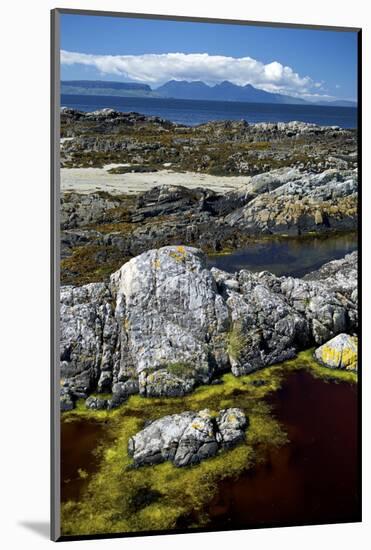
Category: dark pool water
[312,479]
[79,443]
[290,256]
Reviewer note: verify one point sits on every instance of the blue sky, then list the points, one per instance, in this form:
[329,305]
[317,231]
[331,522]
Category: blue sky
[304,63]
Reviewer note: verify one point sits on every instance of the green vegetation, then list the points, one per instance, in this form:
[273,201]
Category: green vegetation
[306,360]
[110,500]
[185,148]
[236,342]
[119,498]
[90,264]
[181,370]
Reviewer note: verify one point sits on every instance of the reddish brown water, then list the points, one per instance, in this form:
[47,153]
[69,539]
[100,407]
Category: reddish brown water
[312,479]
[79,442]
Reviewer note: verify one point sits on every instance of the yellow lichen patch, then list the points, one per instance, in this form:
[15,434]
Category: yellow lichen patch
[338,354]
[178,254]
[331,356]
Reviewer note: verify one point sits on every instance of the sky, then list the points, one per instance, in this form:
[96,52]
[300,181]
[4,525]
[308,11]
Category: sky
[311,64]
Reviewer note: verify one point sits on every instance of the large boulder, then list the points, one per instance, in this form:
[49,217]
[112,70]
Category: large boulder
[172,320]
[165,323]
[187,438]
[340,352]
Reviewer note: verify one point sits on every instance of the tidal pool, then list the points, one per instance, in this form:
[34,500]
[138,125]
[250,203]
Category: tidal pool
[286,256]
[311,479]
[79,455]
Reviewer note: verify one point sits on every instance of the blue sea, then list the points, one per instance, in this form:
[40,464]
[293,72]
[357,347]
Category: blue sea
[192,112]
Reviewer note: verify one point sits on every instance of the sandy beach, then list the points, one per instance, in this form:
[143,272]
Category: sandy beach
[88,180]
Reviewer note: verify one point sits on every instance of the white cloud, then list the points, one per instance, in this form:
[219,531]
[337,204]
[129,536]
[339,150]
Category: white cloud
[155,69]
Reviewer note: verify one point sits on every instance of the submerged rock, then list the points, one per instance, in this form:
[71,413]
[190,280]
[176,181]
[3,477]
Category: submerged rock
[340,352]
[165,323]
[187,438]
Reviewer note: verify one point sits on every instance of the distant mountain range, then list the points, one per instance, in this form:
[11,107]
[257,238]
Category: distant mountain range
[182,89]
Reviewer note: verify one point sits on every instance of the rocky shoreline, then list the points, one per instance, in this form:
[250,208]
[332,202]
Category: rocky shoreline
[144,143]
[165,324]
[290,179]
[99,230]
[173,359]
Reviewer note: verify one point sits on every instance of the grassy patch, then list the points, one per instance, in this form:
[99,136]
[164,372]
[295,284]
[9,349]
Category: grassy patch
[109,502]
[236,342]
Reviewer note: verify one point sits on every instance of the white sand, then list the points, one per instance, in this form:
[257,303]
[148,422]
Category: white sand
[88,180]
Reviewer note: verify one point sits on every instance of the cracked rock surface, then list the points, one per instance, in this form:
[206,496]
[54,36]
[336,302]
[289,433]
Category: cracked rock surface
[187,438]
[165,323]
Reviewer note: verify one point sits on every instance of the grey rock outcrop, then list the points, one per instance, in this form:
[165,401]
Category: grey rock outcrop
[340,352]
[102,229]
[292,202]
[173,321]
[165,323]
[187,438]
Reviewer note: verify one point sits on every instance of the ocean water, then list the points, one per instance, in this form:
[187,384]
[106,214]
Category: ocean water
[193,112]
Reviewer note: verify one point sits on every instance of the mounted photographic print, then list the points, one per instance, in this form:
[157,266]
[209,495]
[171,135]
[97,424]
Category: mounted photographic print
[205,211]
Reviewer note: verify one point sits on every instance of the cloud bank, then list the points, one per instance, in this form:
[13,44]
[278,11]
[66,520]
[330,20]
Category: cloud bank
[155,69]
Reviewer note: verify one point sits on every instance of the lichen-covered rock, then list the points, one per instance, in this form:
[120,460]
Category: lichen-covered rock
[187,438]
[340,352]
[169,311]
[292,202]
[88,338]
[165,323]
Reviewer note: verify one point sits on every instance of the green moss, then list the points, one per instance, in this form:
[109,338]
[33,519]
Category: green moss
[107,504]
[181,370]
[306,360]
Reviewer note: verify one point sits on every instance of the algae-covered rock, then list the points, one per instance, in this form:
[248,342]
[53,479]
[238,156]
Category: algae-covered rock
[339,353]
[187,438]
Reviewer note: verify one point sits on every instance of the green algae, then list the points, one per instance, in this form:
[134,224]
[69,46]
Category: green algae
[120,498]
